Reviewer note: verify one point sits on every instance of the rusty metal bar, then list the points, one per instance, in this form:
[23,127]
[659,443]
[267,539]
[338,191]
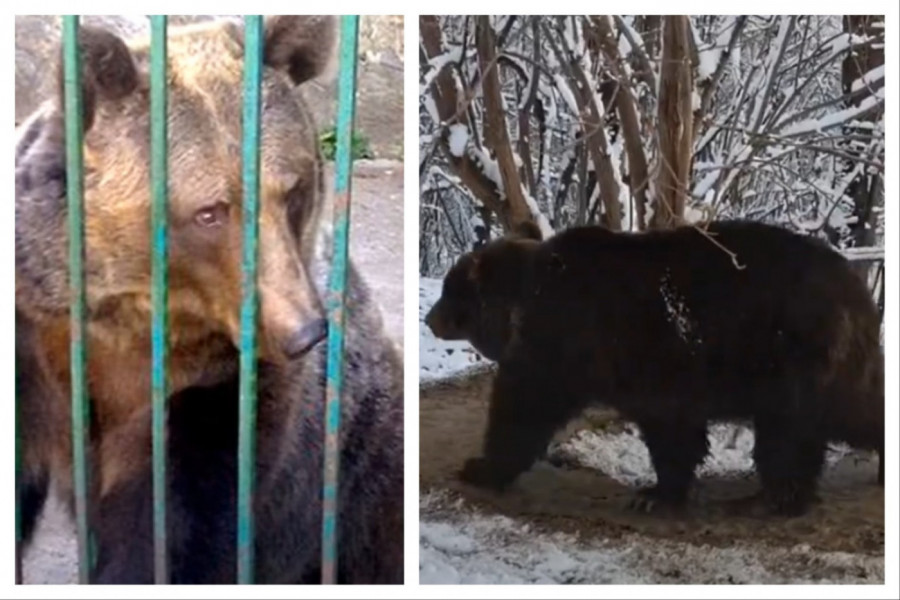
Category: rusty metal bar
[336,300]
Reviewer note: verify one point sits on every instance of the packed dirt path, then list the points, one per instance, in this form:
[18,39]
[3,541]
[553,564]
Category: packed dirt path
[583,501]
[376,247]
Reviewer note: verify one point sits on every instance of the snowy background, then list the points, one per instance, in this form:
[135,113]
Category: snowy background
[783,116]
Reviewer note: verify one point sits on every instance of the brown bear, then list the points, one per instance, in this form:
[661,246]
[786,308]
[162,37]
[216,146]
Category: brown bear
[673,329]
[205,191]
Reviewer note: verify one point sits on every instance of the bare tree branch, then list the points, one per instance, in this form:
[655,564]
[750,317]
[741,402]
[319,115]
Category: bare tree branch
[646,71]
[631,133]
[710,87]
[597,145]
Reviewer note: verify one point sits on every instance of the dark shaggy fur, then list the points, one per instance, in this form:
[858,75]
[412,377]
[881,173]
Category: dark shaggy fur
[666,329]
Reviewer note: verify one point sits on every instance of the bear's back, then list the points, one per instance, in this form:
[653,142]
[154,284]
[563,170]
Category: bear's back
[739,294]
[728,255]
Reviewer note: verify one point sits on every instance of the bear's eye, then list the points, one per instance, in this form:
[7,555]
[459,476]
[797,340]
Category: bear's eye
[212,216]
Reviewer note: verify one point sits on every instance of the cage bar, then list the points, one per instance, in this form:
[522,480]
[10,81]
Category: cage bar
[159,177]
[253,37]
[336,300]
[75,195]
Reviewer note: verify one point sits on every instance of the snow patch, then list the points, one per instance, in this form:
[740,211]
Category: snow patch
[562,84]
[845,40]
[706,184]
[489,167]
[436,65]
[677,311]
[709,60]
[540,219]
[623,456]
[876,74]
[458,138]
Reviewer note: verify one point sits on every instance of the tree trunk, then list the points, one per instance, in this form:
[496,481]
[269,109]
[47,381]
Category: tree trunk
[496,134]
[675,124]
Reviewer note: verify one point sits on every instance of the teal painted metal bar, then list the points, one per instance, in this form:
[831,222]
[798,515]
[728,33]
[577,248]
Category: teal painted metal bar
[253,38]
[75,194]
[159,177]
[336,301]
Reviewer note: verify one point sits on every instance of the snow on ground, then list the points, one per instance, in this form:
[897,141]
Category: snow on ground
[476,549]
[471,548]
[624,457]
[439,359]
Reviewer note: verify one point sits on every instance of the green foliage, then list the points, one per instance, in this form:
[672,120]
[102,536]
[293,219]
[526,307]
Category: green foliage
[359,144]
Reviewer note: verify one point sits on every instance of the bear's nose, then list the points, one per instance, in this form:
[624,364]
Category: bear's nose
[430,321]
[305,338]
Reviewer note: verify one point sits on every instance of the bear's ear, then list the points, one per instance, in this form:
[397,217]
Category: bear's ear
[108,71]
[302,45]
[527,230]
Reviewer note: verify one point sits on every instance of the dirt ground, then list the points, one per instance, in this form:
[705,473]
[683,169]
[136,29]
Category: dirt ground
[376,246]
[582,501]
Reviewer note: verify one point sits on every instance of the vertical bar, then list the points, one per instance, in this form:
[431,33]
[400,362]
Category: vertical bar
[159,177]
[247,413]
[336,295]
[75,194]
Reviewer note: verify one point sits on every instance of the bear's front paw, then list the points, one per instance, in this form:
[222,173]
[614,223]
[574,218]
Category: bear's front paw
[478,472]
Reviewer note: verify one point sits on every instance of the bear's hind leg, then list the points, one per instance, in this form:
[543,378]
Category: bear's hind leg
[528,405]
[789,456]
[676,448]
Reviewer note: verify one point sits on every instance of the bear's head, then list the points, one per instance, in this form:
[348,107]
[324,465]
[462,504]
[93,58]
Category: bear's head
[483,291]
[205,74]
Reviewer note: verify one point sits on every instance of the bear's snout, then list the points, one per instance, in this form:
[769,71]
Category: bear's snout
[442,325]
[305,338]
[434,322]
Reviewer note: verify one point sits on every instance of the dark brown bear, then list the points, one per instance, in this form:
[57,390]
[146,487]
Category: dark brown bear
[666,328]
[205,75]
